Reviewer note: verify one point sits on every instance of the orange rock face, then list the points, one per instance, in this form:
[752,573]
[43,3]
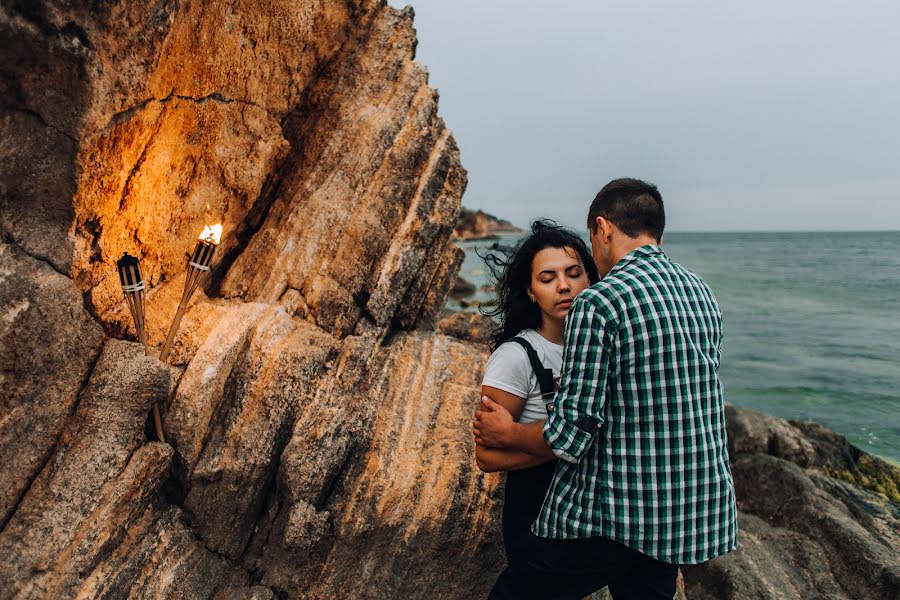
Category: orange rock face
[317,430]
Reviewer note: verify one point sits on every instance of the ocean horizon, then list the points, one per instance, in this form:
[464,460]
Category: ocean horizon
[812,326]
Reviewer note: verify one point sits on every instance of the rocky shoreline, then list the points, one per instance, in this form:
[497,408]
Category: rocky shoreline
[479,225]
[317,402]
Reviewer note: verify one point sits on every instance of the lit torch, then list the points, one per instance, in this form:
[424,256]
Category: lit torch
[198,268]
[133,287]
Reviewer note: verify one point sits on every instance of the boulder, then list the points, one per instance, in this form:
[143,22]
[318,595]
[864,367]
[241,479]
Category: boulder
[470,326]
[462,288]
[479,225]
[380,477]
[803,533]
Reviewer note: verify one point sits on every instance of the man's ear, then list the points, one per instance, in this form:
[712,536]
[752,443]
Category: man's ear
[604,228]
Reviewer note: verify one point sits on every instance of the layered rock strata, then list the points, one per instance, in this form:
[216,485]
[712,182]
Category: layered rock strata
[298,454]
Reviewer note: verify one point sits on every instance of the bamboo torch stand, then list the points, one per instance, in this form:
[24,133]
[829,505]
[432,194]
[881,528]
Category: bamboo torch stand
[198,269]
[133,288]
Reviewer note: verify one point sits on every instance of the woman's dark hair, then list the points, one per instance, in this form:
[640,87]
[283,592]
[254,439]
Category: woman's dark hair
[511,270]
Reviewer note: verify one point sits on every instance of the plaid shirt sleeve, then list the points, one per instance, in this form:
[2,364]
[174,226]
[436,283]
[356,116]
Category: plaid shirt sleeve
[576,414]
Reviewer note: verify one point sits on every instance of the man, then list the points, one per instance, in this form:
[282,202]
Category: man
[644,482]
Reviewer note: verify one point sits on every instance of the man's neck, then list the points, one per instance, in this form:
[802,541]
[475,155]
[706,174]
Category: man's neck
[628,244]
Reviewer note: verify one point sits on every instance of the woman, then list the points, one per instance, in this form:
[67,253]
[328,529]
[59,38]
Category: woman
[536,283]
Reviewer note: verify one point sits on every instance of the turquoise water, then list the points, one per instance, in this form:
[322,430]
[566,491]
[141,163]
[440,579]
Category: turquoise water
[812,324]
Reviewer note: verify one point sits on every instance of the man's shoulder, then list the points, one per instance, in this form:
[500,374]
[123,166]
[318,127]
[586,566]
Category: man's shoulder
[617,286]
[605,297]
[634,281]
[696,282]
[657,271]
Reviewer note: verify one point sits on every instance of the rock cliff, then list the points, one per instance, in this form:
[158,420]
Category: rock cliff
[317,426]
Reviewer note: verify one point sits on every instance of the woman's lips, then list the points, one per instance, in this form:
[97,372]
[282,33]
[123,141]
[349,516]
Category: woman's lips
[565,302]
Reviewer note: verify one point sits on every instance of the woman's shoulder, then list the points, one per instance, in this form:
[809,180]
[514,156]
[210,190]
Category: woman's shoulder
[512,351]
[542,346]
[509,369]
[515,348]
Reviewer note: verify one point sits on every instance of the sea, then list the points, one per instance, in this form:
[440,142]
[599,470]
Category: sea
[811,321]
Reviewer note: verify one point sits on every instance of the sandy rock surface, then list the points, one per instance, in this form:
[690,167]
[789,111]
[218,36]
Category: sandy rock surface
[48,346]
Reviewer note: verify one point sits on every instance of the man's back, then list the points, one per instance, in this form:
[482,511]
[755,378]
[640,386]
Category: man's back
[639,417]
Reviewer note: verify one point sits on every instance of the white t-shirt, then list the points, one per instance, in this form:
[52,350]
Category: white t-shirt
[509,369]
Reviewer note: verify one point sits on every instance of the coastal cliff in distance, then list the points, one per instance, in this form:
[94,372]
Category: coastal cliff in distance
[477,225]
[317,426]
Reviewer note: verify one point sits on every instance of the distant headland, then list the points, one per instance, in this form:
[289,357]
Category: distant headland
[479,225]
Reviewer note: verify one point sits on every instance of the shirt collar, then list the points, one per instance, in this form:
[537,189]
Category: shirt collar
[641,252]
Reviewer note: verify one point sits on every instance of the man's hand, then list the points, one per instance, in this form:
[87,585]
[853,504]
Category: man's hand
[493,425]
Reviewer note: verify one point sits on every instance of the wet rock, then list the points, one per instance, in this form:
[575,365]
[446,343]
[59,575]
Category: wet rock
[470,326]
[462,288]
[802,534]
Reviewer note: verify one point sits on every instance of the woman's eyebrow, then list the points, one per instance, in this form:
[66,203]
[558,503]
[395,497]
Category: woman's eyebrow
[553,271]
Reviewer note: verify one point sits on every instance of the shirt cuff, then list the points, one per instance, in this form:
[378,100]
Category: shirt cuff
[569,440]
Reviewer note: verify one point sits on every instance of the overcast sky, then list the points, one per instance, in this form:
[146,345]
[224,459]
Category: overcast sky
[765,115]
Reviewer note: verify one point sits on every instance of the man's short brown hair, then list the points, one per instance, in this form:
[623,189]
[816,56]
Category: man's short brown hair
[632,205]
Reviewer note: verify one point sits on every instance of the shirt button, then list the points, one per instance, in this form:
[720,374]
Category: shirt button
[551,407]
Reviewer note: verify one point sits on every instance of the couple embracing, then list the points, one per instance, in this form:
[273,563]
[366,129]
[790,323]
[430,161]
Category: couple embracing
[603,402]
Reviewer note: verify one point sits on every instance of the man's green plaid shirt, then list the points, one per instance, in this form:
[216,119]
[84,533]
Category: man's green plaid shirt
[639,417]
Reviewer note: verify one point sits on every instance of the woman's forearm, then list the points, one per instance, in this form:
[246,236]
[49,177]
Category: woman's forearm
[529,438]
[496,459]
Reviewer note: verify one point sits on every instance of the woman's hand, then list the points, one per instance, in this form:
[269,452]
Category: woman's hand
[493,425]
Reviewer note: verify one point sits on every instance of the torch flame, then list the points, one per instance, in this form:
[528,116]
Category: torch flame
[212,233]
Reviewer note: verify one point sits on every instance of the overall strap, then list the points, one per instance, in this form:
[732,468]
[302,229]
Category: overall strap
[544,376]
